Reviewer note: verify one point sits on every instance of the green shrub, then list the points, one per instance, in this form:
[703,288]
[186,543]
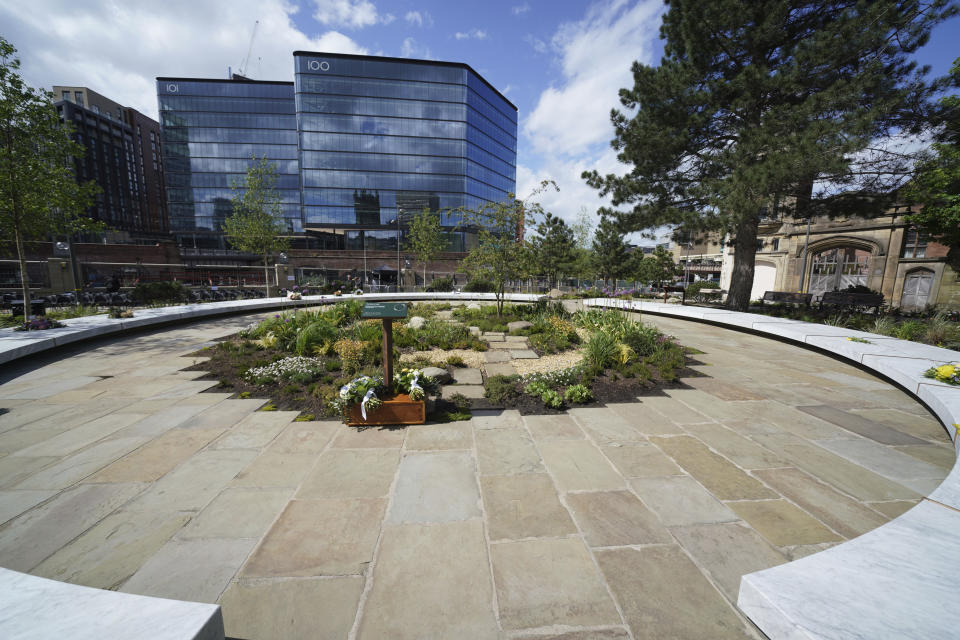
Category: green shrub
[479,285]
[694,288]
[332,365]
[911,330]
[552,399]
[537,388]
[578,394]
[642,339]
[461,402]
[601,350]
[502,389]
[456,361]
[304,417]
[314,336]
[441,284]
[160,292]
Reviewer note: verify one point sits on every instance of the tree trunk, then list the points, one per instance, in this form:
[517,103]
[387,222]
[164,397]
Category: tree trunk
[745,253]
[24,277]
[424,276]
[266,277]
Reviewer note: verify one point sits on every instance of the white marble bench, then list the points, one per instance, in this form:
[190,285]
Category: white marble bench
[900,580]
[16,344]
[39,609]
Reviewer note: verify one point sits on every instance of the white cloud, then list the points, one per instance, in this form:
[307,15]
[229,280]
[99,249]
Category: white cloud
[352,14]
[538,45]
[506,89]
[595,58]
[522,8]
[410,48]
[419,18]
[475,34]
[118,49]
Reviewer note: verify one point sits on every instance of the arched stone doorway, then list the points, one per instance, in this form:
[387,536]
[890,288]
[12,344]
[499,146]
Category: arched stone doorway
[837,268]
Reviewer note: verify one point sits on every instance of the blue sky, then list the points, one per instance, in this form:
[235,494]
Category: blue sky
[561,62]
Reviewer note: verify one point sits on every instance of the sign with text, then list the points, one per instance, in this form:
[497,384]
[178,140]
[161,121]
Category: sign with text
[384,310]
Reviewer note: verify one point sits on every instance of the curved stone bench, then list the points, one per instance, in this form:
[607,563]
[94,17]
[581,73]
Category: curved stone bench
[900,580]
[16,344]
[32,607]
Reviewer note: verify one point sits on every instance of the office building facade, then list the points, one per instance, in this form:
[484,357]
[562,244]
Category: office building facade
[361,144]
[123,156]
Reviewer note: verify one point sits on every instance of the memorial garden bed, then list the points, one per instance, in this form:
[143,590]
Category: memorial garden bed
[302,360]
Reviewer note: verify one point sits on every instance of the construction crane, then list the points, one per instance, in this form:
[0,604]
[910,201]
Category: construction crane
[243,65]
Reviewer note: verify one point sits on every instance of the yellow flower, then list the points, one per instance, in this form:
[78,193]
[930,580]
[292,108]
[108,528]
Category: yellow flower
[947,371]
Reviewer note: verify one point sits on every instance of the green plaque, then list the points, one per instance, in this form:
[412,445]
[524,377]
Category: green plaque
[384,310]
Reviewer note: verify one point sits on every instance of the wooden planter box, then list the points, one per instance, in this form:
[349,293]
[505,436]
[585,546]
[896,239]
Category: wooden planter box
[398,410]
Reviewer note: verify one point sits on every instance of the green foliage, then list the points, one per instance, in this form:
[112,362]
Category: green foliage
[148,293]
[610,250]
[333,365]
[315,336]
[657,269]
[39,193]
[305,417]
[441,284]
[425,240]
[936,184]
[578,394]
[552,248]
[461,402]
[696,287]
[501,254]
[910,330]
[502,389]
[257,222]
[456,361]
[552,399]
[269,407]
[601,350]
[752,103]
[479,285]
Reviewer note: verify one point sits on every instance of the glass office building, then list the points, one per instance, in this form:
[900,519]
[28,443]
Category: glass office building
[362,143]
[212,129]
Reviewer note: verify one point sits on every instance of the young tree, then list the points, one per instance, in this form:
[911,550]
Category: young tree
[611,253]
[657,269]
[936,185]
[257,219]
[39,194]
[501,253]
[553,248]
[753,103]
[425,239]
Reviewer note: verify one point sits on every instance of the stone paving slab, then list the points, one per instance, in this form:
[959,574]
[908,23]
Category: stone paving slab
[579,466]
[681,500]
[461,590]
[304,437]
[472,391]
[860,425]
[781,523]
[301,609]
[549,582]
[467,376]
[439,437]
[635,460]
[506,451]
[275,470]
[616,518]
[496,356]
[154,460]
[664,595]
[351,473]
[238,513]
[13,503]
[308,539]
[523,354]
[256,430]
[724,479]
[435,487]
[524,506]
[550,427]
[364,437]
[196,570]
[606,426]
[500,369]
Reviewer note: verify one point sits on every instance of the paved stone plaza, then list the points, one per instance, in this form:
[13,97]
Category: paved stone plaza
[630,521]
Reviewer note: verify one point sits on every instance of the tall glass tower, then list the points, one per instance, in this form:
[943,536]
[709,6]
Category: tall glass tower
[211,131]
[361,144]
[388,137]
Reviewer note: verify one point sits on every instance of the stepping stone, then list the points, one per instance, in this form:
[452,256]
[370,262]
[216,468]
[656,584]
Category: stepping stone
[472,391]
[467,376]
[524,354]
[503,345]
[515,339]
[496,356]
[494,334]
[475,331]
[500,369]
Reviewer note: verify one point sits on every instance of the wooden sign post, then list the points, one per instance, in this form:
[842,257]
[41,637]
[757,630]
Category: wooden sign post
[387,312]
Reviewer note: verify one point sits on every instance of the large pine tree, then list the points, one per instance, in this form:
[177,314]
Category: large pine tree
[611,253]
[753,103]
[553,248]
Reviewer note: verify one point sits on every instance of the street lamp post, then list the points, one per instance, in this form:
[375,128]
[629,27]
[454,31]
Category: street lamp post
[803,265]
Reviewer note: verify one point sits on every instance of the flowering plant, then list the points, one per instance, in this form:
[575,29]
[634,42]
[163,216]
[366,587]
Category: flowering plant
[949,373]
[362,391]
[39,323]
[413,383]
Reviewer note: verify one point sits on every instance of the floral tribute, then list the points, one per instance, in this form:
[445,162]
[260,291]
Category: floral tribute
[39,323]
[413,383]
[949,373]
[362,391]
